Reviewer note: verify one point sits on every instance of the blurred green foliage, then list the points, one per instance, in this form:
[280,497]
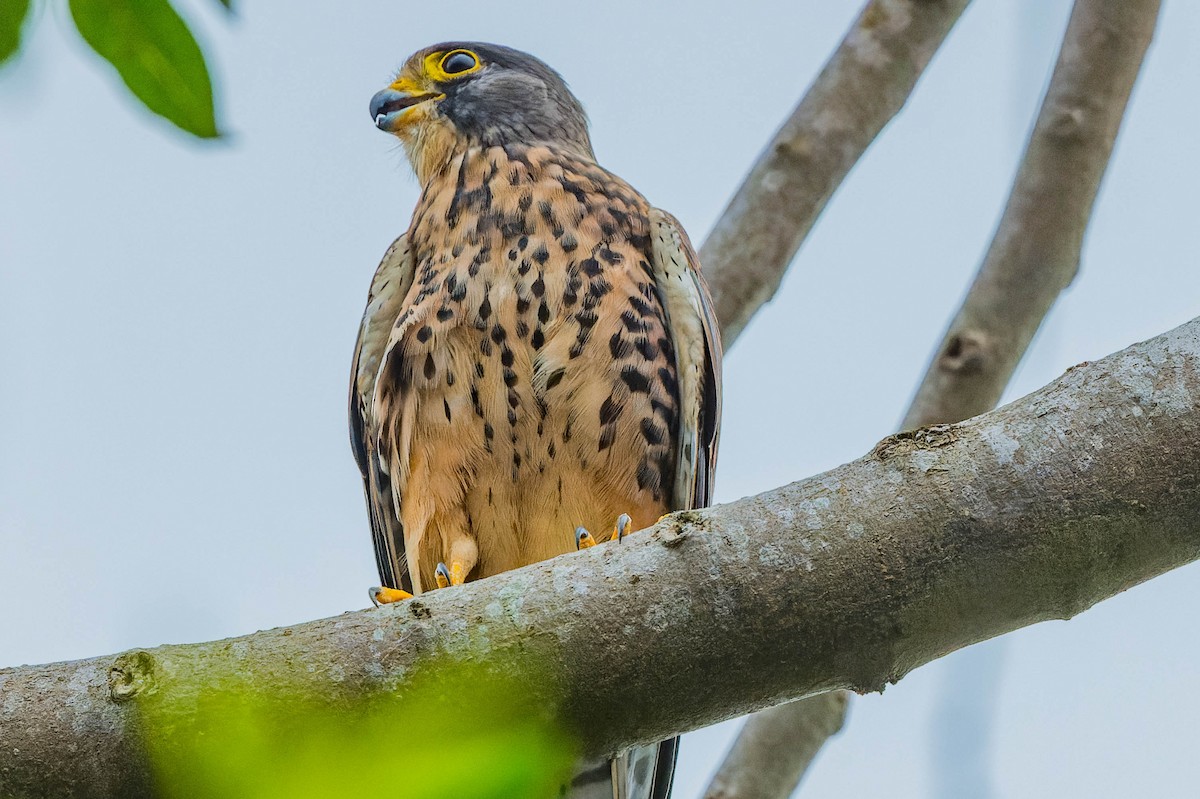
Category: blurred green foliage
[456,733]
[151,47]
[12,18]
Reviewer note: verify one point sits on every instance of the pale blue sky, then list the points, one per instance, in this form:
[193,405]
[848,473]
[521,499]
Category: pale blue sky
[176,322]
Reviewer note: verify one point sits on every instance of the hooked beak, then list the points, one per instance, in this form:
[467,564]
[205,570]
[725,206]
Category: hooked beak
[389,105]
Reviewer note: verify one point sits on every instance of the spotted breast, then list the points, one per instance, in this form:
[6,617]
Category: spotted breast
[530,383]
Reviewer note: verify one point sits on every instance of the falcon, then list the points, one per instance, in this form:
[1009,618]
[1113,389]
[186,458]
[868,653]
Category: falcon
[538,358]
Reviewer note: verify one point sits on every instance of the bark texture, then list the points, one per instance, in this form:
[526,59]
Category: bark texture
[935,540]
[860,89]
[1034,256]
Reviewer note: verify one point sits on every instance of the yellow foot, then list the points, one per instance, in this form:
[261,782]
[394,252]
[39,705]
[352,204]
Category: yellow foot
[386,596]
[623,522]
[583,539]
[455,575]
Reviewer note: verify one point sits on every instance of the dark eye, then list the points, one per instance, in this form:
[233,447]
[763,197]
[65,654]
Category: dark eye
[458,62]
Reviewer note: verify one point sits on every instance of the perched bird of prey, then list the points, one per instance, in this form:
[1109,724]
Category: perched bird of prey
[538,358]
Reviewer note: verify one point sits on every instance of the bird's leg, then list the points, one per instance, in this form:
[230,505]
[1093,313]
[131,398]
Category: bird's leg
[386,596]
[463,555]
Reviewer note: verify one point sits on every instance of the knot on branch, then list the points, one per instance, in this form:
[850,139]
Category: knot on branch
[131,674]
[965,353]
[679,528]
[938,435]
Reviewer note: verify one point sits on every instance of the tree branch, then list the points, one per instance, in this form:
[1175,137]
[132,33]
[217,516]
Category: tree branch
[937,539]
[1033,256]
[1036,250]
[863,85]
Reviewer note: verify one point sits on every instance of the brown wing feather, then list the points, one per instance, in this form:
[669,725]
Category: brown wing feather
[390,286]
[698,353]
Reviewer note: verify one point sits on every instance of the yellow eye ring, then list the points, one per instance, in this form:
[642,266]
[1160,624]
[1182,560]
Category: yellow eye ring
[457,63]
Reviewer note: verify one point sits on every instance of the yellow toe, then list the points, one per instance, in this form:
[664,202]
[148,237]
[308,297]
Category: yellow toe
[386,596]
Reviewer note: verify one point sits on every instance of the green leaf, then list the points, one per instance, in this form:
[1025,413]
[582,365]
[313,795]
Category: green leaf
[155,54]
[459,732]
[12,17]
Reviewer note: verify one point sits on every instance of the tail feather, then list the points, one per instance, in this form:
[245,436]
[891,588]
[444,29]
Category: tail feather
[644,772]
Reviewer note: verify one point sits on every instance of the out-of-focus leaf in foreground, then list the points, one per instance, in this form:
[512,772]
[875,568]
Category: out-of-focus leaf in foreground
[461,735]
[155,54]
[12,17]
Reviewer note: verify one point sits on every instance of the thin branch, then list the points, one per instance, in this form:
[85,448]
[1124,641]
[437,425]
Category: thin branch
[1034,255]
[776,746]
[863,85]
[1036,250]
[937,539]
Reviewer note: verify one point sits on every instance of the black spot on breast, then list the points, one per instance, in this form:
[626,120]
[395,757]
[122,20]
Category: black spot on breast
[610,410]
[543,312]
[510,378]
[424,334]
[446,408]
[590,266]
[665,411]
[522,305]
[669,382]
[485,307]
[444,313]
[498,334]
[607,436]
[598,288]
[430,366]
[568,243]
[652,432]
[610,255]
[554,378]
[648,478]
[619,347]
[641,306]
[537,339]
[488,432]
[632,323]
[638,383]
[479,368]
[586,319]
[539,286]
[541,254]
[522,328]
[647,350]
[522,243]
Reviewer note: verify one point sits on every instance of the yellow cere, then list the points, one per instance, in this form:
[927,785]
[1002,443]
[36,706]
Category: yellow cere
[434,65]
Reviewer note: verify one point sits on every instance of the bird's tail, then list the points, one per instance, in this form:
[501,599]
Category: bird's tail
[644,772]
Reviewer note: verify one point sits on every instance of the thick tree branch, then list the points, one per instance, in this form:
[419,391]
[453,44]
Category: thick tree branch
[937,539]
[1033,257]
[863,85]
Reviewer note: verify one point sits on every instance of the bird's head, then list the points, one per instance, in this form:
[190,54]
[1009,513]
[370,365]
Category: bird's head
[458,94]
